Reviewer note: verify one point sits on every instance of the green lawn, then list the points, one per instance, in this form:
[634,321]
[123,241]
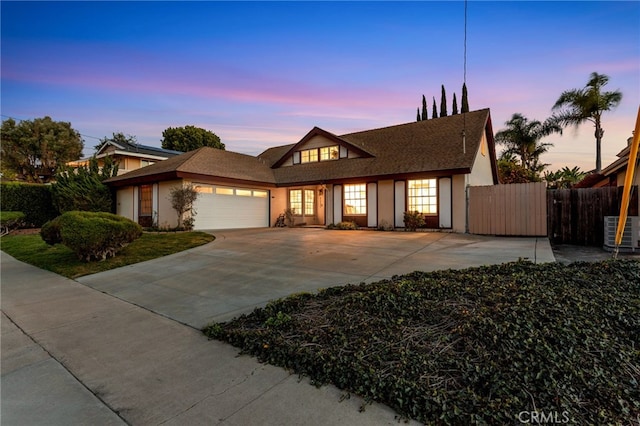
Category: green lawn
[61,260]
[476,346]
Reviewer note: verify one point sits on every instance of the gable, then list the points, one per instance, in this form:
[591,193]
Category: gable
[320,142]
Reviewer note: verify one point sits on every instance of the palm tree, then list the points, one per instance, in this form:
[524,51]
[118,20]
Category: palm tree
[522,139]
[587,104]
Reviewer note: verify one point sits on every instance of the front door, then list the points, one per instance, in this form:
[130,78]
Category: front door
[145,211]
[302,203]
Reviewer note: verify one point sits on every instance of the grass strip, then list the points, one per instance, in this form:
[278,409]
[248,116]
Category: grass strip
[61,260]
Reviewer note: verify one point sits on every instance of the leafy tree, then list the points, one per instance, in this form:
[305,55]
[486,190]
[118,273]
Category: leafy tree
[82,189]
[33,149]
[576,106]
[522,140]
[119,138]
[465,99]
[510,171]
[424,109]
[188,138]
[418,114]
[564,178]
[455,105]
[443,103]
[434,111]
[182,199]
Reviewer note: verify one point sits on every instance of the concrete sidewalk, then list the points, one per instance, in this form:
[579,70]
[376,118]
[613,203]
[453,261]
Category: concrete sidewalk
[81,357]
[72,354]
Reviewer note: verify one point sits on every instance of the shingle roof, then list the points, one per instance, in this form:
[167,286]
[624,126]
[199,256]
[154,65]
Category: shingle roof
[206,161]
[426,146]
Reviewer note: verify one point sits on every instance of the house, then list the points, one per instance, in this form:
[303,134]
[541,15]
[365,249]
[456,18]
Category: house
[370,177]
[614,174]
[128,156]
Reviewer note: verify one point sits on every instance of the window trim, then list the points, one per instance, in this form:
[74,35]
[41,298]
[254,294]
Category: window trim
[413,206]
[299,204]
[314,155]
[362,201]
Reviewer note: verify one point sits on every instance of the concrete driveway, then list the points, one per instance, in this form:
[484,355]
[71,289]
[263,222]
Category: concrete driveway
[73,355]
[244,269]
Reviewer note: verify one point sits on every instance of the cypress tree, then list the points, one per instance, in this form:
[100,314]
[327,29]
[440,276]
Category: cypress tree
[455,105]
[435,111]
[465,99]
[417,114]
[424,108]
[443,103]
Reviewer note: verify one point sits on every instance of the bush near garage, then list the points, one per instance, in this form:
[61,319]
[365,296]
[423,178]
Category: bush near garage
[34,200]
[475,346]
[91,235]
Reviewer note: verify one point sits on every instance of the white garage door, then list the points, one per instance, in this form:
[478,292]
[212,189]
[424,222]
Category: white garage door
[222,207]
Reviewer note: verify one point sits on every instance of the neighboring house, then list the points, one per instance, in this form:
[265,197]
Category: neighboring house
[614,174]
[128,156]
[370,177]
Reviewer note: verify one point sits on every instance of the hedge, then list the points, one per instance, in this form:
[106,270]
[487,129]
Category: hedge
[91,235]
[34,200]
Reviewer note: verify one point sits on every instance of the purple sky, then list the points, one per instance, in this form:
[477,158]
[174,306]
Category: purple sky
[262,74]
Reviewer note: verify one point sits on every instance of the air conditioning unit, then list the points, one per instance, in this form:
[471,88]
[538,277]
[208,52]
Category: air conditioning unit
[630,236]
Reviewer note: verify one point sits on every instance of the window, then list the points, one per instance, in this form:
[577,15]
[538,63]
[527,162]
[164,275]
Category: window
[355,199]
[243,192]
[302,202]
[329,153]
[261,194]
[308,155]
[204,189]
[422,196]
[309,202]
[145,163]
[224,191]
[295,201]
[322,154]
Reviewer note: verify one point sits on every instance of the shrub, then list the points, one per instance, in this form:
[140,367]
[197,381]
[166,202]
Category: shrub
[182,199]
[384,226]
[34,200]
[10,221]
[96,235]
[413,220]
[50,232]
[82,188]
[289,217]
[344,226]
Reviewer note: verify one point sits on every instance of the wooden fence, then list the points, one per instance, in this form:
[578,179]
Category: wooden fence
[576,216]
[516,209]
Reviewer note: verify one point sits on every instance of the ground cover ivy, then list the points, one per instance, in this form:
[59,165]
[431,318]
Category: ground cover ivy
[480,345]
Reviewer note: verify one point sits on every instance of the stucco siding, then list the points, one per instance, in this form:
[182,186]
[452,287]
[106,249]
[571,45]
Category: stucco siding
[165,215]
[125,202]
[481,173]
[278,204]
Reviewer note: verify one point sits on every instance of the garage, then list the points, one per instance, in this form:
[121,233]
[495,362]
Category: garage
[224,207]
